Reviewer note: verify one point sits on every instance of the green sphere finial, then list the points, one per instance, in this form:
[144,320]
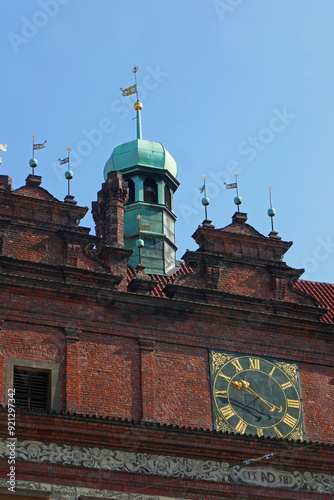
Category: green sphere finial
[140,243]
[237,200]
[205,201]
[271,212]
[68,175]
[33,163]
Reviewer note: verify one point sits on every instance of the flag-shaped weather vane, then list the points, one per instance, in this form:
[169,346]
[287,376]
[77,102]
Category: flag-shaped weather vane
[138,105]
[234,185]
[205,200]
[3,147]
[68,173]
[33,162]
[133,89]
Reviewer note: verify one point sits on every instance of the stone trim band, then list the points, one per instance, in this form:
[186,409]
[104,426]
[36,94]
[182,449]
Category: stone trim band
[169,466]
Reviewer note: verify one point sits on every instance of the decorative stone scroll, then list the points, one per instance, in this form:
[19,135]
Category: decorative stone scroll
[167,466]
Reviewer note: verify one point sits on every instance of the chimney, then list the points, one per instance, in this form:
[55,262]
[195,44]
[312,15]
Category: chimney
[108,210]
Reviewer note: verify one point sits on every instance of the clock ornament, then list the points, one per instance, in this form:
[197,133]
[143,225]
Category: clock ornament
[256,395]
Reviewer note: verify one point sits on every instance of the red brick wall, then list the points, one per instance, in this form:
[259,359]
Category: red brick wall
[182,386]
[105,358]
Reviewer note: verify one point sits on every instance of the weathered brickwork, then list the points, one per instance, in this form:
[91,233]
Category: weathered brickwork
[140,352]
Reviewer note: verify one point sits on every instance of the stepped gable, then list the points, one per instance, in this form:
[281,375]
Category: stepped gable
[238,262]
[35,227]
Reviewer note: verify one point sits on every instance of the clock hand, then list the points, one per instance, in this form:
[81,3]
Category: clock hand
[253,401]
[243,384]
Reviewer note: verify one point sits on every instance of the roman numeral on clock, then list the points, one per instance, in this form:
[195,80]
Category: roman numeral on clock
[237,365]
[291,421]
[278,432]
[241,427]
[293,403]
[259,431]
[220,394]
[286,385]
[225,376]
[254,363]
[227,412]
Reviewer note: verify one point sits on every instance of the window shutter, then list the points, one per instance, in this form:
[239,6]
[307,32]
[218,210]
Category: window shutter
[31,389]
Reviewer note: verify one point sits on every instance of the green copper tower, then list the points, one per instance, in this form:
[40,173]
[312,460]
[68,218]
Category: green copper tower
[151,175]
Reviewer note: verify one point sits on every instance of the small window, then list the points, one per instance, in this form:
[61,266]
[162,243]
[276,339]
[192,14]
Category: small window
[168,198]
[150,191]
[131,187]
[32,389]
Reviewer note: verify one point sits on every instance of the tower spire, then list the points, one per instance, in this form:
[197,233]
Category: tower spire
[138,106]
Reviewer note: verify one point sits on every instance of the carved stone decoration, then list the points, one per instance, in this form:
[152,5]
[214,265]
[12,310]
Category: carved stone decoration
[92,254]
[60,492]
[166,466]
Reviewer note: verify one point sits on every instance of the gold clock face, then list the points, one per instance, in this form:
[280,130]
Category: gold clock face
[256,395]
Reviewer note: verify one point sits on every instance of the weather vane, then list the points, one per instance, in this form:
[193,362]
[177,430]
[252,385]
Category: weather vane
[234,185]
[271,211]
[68,173]
[133,89]
[3,147]
[138,105]
[205,200]
[33,162]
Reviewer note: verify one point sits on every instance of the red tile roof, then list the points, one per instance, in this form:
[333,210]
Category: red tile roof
[323,293]
[161,280]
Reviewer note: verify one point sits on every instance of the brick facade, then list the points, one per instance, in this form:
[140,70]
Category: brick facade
[130,360]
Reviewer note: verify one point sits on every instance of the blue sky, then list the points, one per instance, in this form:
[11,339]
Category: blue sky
[228,86]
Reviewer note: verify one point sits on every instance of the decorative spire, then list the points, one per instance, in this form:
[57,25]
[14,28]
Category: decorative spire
[234,185]
[205,200]
[271,211]
[69,176]
[33,162]
[138,105]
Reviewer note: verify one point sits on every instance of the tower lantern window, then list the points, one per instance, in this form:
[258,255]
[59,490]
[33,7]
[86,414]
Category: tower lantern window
[150,191]
[131,188]
[168,198]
